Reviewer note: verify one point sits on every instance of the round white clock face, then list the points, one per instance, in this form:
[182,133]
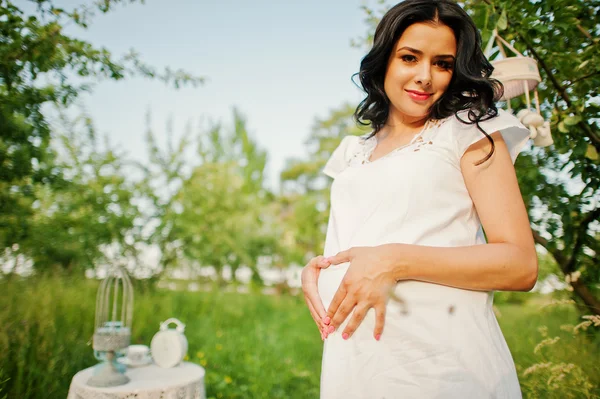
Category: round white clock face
[168,348]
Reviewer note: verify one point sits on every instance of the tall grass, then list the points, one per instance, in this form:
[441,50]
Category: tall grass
[556,357]
[251,345]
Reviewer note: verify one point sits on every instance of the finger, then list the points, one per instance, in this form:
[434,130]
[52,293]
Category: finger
[321,322]
[314,261]
[339,296]
[319,262]
[316,303]
[343,311]
[379,321]
[323,263]
[340,257]
[310,289]
[317,320]
[315,315]
[357,317]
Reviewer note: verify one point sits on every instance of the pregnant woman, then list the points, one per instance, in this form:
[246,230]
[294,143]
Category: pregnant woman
[404,290]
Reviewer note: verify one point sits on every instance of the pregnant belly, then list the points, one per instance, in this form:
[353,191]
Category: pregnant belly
[410,295]
[329,281]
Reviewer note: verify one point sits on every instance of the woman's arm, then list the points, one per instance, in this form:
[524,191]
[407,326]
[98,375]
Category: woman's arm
[507,262]
[487,267]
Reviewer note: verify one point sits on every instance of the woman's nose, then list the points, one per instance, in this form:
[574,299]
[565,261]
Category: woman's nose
[423,75]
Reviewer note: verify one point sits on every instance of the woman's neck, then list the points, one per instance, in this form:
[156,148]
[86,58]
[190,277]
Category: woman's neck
[399,125]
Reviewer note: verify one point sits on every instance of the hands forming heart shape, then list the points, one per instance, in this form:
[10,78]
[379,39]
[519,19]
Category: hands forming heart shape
[367,284]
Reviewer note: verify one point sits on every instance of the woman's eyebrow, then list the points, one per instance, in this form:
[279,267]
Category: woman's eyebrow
[419,52]
[412,50]
[445,56]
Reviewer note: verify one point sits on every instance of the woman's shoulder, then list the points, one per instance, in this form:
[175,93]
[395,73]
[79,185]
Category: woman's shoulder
[465,132]
[502,120]
[351,140]
[349,145]
[341,156]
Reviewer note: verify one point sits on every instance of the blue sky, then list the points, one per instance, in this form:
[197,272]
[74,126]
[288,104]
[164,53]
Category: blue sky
[282,64]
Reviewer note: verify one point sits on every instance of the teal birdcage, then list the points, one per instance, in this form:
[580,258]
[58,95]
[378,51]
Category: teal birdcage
[112,333]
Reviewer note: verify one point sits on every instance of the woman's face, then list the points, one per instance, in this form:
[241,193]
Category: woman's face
[419,69]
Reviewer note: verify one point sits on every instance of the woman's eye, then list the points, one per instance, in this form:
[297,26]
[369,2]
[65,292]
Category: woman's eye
[444,64]
[408,58]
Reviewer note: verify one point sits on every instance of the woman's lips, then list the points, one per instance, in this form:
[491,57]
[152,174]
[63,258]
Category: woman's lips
[417,95]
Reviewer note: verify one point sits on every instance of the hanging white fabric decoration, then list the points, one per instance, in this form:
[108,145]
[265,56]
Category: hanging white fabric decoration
[520,75]
[538,127]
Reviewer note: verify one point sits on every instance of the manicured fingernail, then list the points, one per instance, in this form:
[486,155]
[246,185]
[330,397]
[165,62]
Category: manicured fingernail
[345,335]
[326,320]
[377,337]
[330,329]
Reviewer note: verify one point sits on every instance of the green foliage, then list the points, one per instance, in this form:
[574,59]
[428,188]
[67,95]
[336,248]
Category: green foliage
[251,345]
[219,213]
[91,209]
[544,348]
[3,383]
[560,184]
[305,193]
[40,67]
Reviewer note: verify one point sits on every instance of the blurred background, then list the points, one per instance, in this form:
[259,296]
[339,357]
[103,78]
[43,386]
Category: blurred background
[184,140]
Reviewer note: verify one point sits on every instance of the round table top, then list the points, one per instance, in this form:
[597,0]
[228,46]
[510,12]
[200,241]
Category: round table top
[183,381]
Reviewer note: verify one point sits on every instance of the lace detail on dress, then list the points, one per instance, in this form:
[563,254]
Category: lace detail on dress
[363,153]
[367,145]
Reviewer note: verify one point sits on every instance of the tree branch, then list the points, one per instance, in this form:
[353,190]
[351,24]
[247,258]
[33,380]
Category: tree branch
[586,33]
[581,234]
[556,254]
[589,75]
[588,297]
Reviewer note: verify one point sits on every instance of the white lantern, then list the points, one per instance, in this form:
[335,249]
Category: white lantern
[520,75]
[112,333]
[169,345]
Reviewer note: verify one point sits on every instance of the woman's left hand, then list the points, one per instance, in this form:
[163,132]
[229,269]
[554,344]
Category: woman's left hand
[367,284]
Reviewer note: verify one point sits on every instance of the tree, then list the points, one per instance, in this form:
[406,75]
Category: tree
[42,67]
[220,215]
[74,222]
[560,184]
[163,177]
[305,189]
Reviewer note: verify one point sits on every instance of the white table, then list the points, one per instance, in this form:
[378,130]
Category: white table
[185,381]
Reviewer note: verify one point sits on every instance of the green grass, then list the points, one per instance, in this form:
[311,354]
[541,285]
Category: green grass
[525,326]
[251,345]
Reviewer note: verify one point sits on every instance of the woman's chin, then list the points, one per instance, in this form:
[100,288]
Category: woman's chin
[415,113]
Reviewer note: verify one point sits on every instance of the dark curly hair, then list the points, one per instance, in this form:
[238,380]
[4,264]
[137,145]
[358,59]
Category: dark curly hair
[470,88]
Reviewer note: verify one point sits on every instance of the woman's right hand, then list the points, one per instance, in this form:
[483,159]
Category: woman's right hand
[310,278]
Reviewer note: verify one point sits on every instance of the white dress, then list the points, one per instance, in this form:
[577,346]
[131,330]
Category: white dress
[438,341]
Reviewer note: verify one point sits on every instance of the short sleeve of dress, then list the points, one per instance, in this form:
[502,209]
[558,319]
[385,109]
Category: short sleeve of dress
[341,156]
[515,135]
